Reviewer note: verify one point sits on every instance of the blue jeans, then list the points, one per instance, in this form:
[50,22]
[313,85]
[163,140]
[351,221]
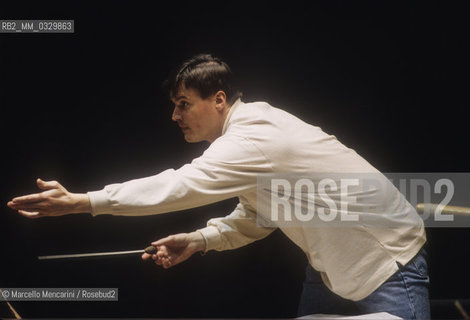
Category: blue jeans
[404,294]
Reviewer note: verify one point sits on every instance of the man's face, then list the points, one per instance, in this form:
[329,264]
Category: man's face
[199,119]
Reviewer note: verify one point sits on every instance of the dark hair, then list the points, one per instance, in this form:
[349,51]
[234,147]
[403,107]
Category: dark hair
[206,74]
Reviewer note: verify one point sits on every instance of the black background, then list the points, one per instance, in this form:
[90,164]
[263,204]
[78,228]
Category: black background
[388,78]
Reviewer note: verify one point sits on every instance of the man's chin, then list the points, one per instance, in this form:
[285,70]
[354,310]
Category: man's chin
[190,139]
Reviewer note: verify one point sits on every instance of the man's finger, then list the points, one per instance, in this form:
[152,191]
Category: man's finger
[146,256]
[31,207]
[178,240]
[35,206]
[176,259]
[45,185]
[158,262]
[167,263]
[30,214]
[30,198]
[162,251]
[170,240]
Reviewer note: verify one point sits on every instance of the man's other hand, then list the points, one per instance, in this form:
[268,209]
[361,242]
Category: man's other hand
[176,248]
[55,200]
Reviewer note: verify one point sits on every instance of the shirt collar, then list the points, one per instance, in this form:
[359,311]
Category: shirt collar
[229,115]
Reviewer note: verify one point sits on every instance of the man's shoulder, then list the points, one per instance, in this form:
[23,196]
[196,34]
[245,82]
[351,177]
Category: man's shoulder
[263,112]
[256,103]
[262,109]
[249,115]
[255,106]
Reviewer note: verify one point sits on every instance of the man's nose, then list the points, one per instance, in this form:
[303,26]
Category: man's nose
[176,115]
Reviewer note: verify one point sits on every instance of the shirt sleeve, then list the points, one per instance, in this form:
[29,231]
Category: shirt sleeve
[235,230]
[227,169]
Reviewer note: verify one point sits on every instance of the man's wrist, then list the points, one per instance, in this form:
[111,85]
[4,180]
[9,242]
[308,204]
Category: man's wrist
[212,237]
[82,203]
[199,241]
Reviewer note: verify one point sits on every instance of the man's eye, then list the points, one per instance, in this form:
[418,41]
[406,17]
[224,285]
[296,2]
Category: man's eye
[183,105]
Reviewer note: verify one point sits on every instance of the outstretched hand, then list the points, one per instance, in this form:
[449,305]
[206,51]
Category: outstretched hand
[177,248]
[55,200]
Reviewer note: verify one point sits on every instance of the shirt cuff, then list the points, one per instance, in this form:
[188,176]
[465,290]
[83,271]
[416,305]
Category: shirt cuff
[99,202]
[212,238]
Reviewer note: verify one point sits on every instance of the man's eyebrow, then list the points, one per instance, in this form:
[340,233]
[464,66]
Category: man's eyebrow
[180,97]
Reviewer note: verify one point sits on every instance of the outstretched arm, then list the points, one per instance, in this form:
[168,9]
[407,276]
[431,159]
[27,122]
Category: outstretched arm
[228,168]
[55,200]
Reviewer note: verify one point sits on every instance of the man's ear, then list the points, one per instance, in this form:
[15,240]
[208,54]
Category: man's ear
[220,100]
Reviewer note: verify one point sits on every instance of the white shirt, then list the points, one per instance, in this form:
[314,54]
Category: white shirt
[258,139]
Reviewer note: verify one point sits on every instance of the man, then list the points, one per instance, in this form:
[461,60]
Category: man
[357,268]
